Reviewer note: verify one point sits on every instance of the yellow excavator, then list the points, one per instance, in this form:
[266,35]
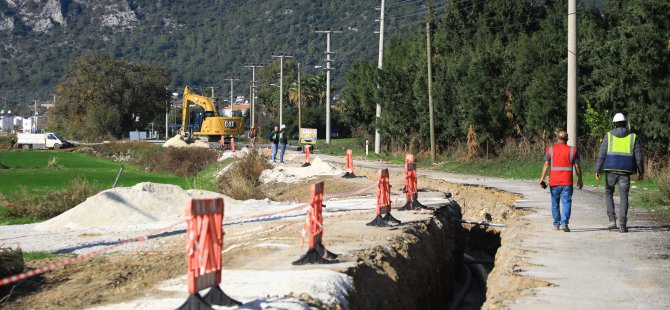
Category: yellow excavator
[209,123]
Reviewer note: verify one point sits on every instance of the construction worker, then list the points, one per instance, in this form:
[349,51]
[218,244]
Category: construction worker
[620,156]
[282,143]
[274,141]
[252,135]
[562,159]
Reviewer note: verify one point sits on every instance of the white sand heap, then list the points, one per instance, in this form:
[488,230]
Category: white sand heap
[200,144]
[284,174]
[175,141]
[143,203]
[237,154]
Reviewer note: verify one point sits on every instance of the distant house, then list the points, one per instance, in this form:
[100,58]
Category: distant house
[237,110]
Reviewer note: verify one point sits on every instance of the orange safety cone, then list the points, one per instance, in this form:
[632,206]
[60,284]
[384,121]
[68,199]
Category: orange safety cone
[317,253]
[349,174]
[383,202]
[232,143]
[222,142]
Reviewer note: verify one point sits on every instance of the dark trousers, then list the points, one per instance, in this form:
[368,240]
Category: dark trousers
[611,180]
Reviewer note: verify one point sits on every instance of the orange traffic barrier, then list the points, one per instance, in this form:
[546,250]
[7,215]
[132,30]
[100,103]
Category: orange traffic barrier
[317,253]
[232,143]
[383,201]
[349,165]
[411,190]
[307,160]
[204,242]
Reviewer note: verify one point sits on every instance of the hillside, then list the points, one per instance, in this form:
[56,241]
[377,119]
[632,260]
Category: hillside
[200,42]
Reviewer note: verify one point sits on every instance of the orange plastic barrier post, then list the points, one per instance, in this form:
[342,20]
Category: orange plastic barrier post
[383,202]
[349,166]
[317,253]
[204,242]
[411,190]
[222,142]
[232,143]
[307,161]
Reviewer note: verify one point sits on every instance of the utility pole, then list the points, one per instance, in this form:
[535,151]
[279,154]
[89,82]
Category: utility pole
[212,91]
[299,102]
[572,72]
[231,93]
[430,94]
[328,68]
[281,86]
[253,92]
[35,117]
[378,112]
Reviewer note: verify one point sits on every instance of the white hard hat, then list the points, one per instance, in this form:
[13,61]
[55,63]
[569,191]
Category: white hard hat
[618,118]
[283,126]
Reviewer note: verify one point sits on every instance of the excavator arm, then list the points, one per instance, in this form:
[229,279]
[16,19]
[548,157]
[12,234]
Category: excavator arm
[202,101]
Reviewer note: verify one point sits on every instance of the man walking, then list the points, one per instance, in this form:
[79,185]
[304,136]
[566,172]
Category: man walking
[620,156]
[274,140]
[282,143]
[562,159]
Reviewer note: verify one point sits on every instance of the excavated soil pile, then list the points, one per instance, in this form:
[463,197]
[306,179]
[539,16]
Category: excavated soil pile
[141,204]
[175,141]
[286,174]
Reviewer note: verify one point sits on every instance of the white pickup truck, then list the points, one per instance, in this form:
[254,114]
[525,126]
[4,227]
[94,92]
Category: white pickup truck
[40,141]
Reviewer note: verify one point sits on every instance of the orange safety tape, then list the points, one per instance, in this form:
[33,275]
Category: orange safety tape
[71,260]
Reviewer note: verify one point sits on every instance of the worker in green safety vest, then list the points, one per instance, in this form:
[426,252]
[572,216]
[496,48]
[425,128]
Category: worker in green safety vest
[620,156]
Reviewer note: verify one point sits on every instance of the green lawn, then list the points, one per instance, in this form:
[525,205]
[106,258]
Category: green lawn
[30,169]
[340,146]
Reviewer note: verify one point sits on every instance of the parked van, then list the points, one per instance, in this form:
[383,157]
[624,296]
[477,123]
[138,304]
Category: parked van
[41,141]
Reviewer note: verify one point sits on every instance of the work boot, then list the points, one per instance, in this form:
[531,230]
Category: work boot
[612,225]
[566,228]
[623,228]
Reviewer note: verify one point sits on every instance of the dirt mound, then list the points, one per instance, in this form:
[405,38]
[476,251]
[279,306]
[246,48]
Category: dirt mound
[141,204]
[286,174]
[175,141]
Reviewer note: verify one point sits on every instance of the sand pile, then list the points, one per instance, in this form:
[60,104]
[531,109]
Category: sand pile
[284,174]
[238,154]
[143,203]
[175,141]
[199,143]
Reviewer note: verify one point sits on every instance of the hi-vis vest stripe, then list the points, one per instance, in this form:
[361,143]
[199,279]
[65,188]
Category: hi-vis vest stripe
[620,153]
[555,168]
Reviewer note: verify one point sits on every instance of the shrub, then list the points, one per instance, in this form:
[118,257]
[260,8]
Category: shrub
[240,181]
[184,162]
[662,181]
[6,142]
[50,203]
[11,261]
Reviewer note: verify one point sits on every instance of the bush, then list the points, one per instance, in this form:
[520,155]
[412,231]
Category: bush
[662,181]
[240,181]
[184,162]
[6,142]
[50,203]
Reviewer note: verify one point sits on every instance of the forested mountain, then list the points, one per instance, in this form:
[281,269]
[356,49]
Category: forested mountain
[199,42]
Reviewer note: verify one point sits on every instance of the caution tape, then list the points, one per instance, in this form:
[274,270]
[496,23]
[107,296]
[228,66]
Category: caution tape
[79,258]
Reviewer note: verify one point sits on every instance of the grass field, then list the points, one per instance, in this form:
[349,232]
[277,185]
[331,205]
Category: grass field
[31,169]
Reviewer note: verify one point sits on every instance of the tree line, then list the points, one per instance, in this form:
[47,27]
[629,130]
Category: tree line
[500,68]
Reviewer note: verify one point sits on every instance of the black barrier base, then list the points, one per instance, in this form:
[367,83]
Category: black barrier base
[389,218]
[312,257]
[195,302]
[216,296]
[417,205]
[349,175]
[379,222]
[306,165]
[406,207]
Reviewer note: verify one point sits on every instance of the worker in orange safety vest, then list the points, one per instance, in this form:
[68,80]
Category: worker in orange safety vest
[561,158]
